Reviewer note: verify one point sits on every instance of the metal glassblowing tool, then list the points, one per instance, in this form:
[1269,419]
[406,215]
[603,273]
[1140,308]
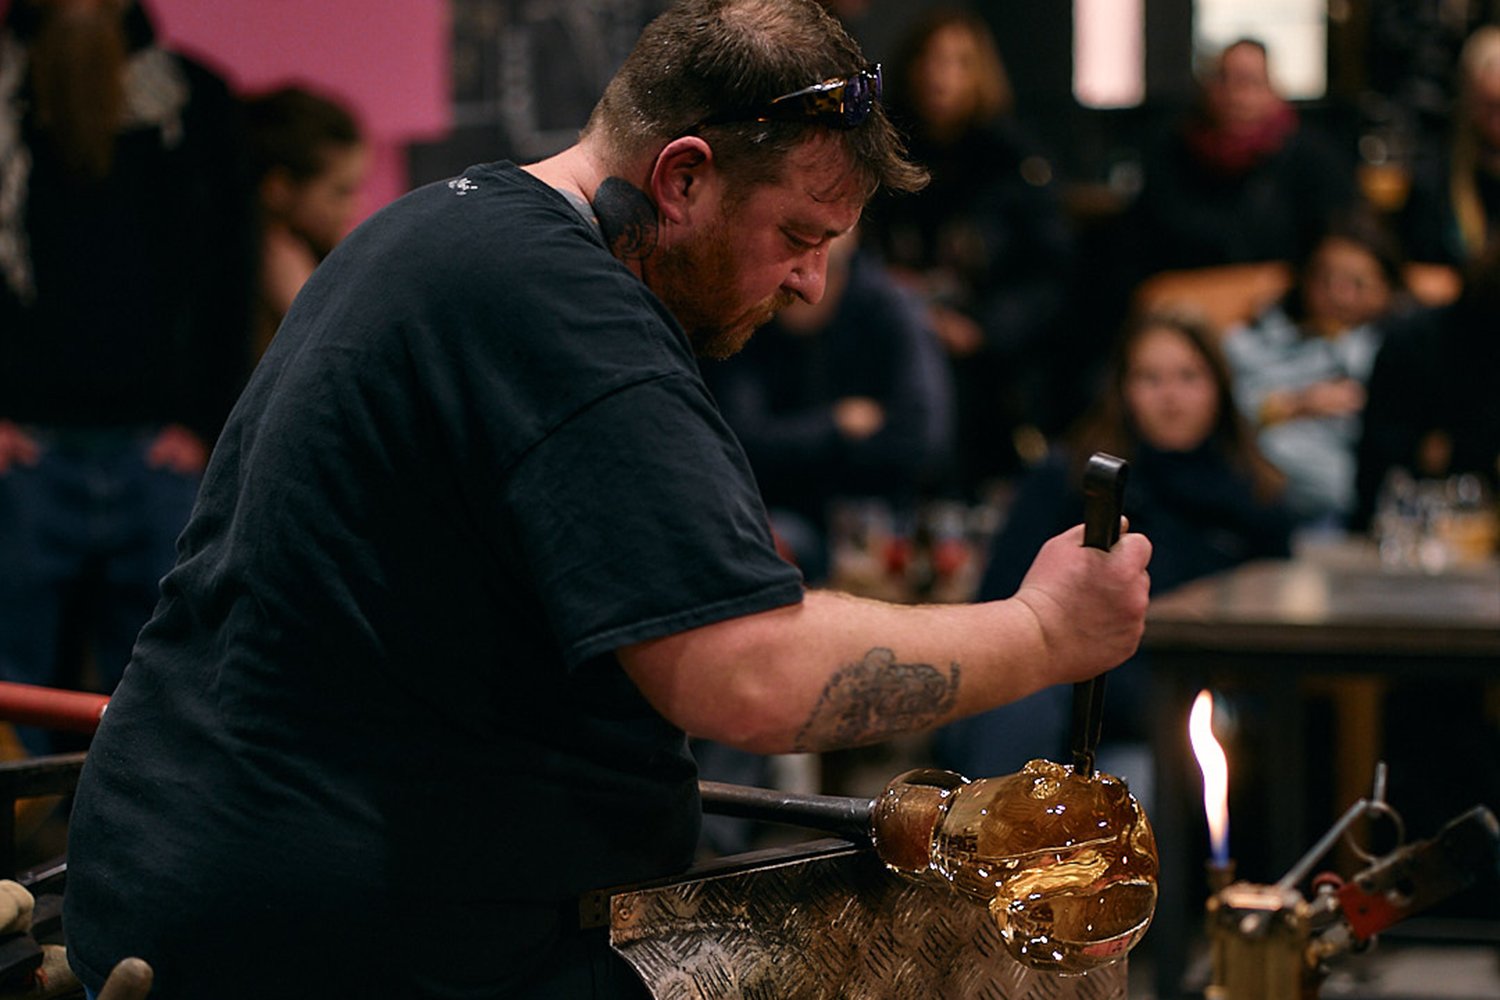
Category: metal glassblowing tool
[1269,942]
[1103,503]
[1063,866]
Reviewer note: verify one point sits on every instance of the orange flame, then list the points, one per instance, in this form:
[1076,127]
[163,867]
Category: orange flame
[1215,768]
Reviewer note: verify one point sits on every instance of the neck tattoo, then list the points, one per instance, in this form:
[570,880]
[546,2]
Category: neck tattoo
[627,219]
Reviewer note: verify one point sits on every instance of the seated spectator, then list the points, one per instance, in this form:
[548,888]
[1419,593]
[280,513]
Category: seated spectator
[846,398]
[1433,408]
[308,159]
[1197,486]
[1242,179]
[1454,204]
[1300,367]
[986,244]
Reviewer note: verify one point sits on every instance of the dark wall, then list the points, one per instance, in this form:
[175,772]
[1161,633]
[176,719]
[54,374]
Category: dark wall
[525,75]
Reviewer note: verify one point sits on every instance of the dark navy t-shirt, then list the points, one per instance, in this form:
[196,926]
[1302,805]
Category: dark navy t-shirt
[376,721]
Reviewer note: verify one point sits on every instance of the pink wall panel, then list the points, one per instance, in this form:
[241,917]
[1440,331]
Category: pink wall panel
[387,58]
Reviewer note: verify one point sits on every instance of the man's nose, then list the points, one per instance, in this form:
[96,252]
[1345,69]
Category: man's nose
[809,279]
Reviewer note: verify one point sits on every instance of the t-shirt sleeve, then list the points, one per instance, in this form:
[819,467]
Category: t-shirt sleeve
[638,517]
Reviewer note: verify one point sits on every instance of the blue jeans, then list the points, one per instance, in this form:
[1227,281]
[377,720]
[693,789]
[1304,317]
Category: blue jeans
[86,535]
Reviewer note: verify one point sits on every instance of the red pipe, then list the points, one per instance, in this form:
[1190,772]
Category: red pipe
[51,708]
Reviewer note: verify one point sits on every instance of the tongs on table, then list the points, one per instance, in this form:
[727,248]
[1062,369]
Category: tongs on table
[1103,501]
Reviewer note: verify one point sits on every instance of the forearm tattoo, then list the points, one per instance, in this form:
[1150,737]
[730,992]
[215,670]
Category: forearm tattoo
[875,699]
[626,217]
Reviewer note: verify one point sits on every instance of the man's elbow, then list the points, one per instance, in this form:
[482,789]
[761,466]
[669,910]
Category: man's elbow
[731,693]
[748,714]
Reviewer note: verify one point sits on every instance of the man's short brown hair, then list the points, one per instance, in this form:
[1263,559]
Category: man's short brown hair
[704,57]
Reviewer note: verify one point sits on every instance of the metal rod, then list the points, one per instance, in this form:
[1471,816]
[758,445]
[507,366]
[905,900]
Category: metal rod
[842,816]
[1374,805]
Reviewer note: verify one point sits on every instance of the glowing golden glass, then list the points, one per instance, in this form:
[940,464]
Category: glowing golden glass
[1067,864]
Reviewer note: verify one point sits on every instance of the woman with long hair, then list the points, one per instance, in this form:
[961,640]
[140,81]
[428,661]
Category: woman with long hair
[986,245]
[1197,486]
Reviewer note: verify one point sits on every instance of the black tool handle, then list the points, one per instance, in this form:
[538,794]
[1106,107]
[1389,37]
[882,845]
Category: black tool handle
[1103,502]
[1103,499]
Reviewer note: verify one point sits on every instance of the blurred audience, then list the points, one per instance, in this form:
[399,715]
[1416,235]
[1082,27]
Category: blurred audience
[126,275]
[1300,367]
[1241,179]
[848,398]
[1454,203]
[1434,409]
[1197,486]
[986,244]
[308,158]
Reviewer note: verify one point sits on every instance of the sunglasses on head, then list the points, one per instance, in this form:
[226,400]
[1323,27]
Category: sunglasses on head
[843,102]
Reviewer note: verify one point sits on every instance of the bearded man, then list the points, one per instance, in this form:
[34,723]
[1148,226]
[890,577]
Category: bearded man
[476,551]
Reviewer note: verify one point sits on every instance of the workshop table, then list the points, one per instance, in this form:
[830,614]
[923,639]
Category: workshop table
[1335,616]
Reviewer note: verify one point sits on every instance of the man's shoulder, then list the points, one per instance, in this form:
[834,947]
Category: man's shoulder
[490,261]
[490,226]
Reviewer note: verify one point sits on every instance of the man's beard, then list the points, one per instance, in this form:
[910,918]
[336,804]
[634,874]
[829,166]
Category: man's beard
[696,280]
[78,76]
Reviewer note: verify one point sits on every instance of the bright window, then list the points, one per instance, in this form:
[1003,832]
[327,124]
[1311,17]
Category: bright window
[1109,53]
[1295,33]
[1109,45]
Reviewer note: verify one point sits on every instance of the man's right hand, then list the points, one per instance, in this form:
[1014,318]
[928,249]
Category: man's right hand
[1090,605]
[16,447]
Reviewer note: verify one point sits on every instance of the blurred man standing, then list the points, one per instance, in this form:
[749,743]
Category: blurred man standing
[126,272]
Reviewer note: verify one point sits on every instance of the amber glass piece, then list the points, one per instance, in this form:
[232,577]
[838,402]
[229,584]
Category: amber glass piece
[1066,864]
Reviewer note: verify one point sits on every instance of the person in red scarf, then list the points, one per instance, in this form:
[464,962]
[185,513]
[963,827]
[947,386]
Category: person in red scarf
[1242,179]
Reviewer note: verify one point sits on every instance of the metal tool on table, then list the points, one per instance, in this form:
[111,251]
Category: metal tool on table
[1272,941]
[1103,502]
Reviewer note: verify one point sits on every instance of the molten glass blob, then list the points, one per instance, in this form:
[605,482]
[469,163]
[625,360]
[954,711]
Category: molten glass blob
[1066,863]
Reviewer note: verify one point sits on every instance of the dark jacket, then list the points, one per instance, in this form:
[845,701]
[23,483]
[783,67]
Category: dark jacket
[126,300]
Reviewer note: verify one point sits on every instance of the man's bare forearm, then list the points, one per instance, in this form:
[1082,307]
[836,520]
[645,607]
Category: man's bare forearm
[878,698]
[838,671]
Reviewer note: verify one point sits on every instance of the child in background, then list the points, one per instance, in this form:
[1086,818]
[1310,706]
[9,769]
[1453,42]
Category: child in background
[1300,367]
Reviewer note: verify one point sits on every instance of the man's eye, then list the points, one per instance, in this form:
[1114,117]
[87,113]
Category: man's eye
[799,242]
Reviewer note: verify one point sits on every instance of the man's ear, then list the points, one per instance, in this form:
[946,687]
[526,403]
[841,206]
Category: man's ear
[678,177]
